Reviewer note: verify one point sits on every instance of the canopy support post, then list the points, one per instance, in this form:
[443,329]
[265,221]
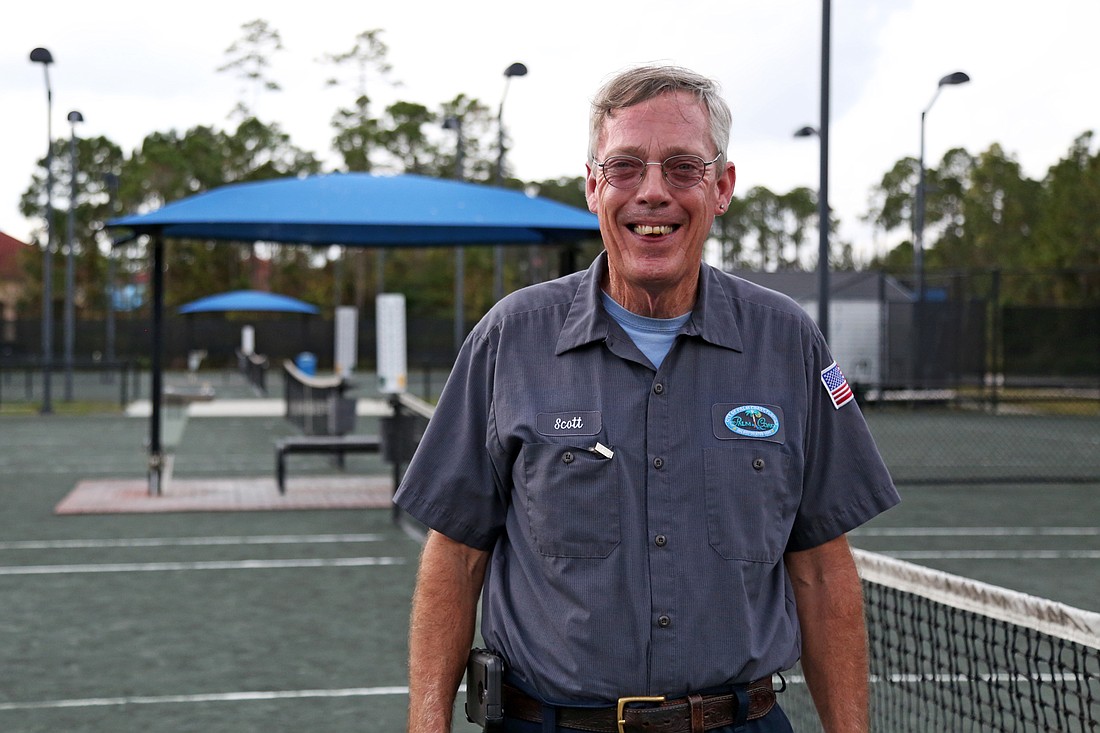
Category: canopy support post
[156,392]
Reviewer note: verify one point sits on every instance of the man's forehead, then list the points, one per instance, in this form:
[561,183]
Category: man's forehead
[674,118]
[684,105]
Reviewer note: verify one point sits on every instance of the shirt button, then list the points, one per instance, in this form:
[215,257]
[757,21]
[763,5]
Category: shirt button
[660,540]
[664,621]
[658,462]
[758,464]
[567,457]
[658,388]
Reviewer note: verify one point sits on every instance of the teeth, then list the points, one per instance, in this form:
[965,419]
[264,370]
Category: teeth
[646,229]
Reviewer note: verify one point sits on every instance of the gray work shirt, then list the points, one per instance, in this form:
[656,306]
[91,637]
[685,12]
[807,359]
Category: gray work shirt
[638,519]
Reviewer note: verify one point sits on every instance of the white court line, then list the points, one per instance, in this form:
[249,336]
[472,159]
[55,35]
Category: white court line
[188,541]
[208,697]
[977,532]
[265,407]
[155,567]
[992,554]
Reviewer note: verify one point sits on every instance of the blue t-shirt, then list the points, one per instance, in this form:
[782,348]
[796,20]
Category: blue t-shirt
[654,336]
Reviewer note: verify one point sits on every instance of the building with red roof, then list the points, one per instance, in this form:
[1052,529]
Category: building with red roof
[13,281]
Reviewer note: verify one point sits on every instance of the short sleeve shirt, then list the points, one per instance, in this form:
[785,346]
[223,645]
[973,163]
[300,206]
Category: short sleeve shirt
[637,518]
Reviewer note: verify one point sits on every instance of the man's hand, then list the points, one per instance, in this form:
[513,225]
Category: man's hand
[442,629]
[834,637]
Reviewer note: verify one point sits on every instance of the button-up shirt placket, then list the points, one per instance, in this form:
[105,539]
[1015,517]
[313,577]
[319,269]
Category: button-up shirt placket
[663,533]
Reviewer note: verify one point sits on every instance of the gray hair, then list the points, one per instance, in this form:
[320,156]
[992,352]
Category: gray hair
[643,83]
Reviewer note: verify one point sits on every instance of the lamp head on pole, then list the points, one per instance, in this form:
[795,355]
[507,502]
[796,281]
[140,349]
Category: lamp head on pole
[516,69]
[958,77]
[41,56]
[75,117]
[806,131]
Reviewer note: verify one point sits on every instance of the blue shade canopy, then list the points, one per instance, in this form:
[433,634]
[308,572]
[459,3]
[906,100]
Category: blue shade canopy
[366,210]
[248,300]
[354,209]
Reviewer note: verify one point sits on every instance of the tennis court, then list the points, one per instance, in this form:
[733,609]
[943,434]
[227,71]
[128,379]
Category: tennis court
[294,619]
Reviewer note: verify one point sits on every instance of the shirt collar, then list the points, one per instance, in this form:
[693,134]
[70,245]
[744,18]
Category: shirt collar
[713,319]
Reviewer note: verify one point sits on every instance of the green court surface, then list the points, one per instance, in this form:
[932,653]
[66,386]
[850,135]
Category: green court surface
[193,621]
[292,620]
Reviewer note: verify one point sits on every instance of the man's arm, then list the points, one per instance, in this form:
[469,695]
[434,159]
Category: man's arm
[441,631]
[834,638]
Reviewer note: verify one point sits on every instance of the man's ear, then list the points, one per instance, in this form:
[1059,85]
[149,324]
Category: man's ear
[726,183]
[590,187]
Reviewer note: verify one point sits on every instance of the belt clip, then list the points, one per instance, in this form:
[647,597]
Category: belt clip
[624,701]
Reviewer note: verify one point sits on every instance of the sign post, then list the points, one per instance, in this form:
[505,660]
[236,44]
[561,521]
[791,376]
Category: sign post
[347,340]
[393,376]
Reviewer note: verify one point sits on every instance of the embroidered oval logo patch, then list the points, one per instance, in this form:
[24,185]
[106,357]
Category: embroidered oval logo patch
[752,421]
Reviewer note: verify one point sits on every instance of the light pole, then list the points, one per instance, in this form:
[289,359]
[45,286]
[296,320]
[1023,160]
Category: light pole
[455,123]
[516,69]
[44,57]
[823,295]
[822,132]
[112,182]
[957,77]
[70,265]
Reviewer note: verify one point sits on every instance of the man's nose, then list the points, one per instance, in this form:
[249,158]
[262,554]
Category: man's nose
[653,182]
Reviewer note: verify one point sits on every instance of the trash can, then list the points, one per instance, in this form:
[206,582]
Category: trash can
[306,363]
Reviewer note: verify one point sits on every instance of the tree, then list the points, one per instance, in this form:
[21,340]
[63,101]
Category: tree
[357,134]
[765,229]
[479,160]
[401,135]
[799,210]
[731,231]
[249,59]
[891,202]
[97,158]
[1070,217]
[356,130]
[170,166]
[989,208]
[1069,223]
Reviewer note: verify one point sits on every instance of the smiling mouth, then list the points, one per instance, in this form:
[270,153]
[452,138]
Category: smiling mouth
[648,230]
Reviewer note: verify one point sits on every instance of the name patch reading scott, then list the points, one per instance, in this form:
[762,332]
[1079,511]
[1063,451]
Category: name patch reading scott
[748,422]
[569,423]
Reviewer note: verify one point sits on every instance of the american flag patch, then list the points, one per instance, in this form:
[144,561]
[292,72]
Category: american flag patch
[837,386]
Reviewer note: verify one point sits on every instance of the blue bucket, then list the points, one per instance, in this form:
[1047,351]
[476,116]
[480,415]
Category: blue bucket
[306,363]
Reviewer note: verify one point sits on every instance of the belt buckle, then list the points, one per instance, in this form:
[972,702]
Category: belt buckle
[624,701]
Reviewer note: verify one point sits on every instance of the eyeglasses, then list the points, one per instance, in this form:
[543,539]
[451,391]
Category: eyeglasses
[681,171]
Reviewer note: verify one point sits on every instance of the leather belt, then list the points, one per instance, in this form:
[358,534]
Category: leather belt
[691,714]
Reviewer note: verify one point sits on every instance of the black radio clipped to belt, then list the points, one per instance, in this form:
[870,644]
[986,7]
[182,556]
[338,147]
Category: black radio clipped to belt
[484,676]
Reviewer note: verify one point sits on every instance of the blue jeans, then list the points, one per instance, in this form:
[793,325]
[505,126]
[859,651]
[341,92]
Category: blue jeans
[774,722]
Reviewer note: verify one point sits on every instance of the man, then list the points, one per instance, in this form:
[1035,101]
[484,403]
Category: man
[649,467]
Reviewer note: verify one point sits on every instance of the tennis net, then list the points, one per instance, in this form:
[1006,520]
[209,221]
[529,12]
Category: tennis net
[950,654]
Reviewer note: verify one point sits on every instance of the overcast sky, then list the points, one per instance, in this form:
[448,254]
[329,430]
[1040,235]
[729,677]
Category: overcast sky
[132,68]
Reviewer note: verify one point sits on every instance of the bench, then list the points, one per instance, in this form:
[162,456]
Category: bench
[336,445]
[321,409]
[254,368]
[318,405]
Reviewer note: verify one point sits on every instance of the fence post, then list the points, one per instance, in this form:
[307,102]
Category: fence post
[997,345]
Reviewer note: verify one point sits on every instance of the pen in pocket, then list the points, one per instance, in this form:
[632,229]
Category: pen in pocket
[603,450]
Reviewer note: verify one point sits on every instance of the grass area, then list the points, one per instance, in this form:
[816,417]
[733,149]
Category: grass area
[1066,408]
[74,408]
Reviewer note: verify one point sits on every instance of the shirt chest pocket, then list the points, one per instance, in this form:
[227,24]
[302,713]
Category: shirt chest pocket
[750,500]
[573,500]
